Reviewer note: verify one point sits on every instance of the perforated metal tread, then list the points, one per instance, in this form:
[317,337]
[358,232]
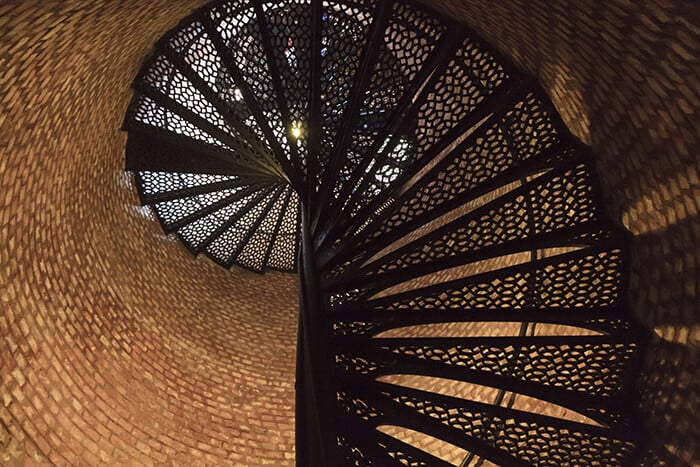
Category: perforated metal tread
[463,288]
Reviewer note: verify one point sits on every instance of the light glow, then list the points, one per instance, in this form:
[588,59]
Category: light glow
[296,130]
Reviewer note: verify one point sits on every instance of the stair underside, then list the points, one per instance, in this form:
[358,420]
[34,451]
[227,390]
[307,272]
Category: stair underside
[463,287]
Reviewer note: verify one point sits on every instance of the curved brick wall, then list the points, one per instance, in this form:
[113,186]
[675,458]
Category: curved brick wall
[117,346]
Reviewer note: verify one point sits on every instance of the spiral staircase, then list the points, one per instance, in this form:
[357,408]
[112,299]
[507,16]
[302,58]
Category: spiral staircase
[463,290]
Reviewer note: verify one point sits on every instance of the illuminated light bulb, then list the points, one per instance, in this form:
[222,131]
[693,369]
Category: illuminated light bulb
[296,130]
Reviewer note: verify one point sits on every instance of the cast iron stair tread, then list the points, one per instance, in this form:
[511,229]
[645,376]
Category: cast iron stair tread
[240,210]
[249,155]
[178,213]
[198,234]
[356,319]
[518,361]
[256,252]
[168,186]
[335,62]
[597,268]
[453,419]
[231,238]
[286,39]
[366,446]
[516,221]
[155,148]
[284,253]
[190,90]
[255,241]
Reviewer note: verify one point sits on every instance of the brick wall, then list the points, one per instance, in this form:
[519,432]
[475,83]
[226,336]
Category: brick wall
[116,345]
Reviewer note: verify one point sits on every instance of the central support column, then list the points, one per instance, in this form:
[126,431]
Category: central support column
[314,398]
